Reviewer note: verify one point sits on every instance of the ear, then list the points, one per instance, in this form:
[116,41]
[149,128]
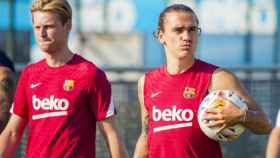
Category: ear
[161,37]
[32,18]
[68,25]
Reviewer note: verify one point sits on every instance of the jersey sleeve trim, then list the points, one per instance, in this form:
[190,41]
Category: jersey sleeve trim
[14,113]
[278,119]
[12,108]
[111,109]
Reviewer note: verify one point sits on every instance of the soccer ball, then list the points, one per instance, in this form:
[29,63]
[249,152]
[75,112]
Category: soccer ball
[215,99]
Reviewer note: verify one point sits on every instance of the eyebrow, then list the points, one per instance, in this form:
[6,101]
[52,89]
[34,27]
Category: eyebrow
[183,27]
[178,28]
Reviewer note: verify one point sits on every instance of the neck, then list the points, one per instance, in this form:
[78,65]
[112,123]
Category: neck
[59,58]
[177,66]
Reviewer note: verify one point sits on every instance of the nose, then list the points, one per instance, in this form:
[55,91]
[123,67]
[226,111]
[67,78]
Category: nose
[43,32]
[186,35]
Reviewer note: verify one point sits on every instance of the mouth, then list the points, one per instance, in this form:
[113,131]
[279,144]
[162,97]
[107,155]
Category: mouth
[44,41]
[186,46]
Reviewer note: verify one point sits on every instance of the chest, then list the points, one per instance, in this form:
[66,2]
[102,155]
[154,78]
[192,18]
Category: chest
[183,92]
[56,92]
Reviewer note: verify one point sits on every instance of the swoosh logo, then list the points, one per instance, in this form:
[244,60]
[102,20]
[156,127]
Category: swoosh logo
[155,94]
[34,85]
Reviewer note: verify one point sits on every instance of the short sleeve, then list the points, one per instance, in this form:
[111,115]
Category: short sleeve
[20,106]
[278,119]
[100,95]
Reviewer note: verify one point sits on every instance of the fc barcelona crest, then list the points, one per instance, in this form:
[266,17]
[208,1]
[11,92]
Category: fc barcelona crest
[68,85]
[189,92]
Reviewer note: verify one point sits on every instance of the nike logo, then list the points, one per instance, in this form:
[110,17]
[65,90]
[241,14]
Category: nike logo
[155,94]
[34,85]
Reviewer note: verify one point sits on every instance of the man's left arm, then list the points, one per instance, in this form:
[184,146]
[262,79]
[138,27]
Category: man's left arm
[7,85]
[110,131]
[254,118]
[273,144]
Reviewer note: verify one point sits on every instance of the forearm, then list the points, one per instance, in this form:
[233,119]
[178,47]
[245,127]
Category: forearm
[141,149]
[8,144]
[273,145]
[116,145]
[11,135]
[256,119]
[4,118]
[257,122]
[109,130]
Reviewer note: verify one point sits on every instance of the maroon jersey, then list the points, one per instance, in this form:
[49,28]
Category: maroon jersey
[172,102]
[62,106]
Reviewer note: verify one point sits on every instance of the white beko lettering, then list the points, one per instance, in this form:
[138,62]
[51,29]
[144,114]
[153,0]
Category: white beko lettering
[51,103]
[58,107]
[185,116]
[172,114]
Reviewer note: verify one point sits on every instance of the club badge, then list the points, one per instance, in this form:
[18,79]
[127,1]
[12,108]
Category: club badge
[68,85]
[189,92]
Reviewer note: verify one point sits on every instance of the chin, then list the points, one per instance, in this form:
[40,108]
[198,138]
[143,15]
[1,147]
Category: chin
[44,48]
[48,50]
[185,53]
[185,57]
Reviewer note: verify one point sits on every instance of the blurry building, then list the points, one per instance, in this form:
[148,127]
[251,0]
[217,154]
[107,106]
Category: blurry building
[118,33]
[118,36]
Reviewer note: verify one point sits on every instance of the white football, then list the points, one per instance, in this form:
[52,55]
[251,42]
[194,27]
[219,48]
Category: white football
[213,99]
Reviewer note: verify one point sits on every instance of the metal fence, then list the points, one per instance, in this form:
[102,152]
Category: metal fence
[261,83]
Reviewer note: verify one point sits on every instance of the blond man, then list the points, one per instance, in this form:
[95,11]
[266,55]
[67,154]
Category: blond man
[62,97]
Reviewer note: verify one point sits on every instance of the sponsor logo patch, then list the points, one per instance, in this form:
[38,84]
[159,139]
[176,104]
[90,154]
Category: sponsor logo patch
[52,107]
[183,117]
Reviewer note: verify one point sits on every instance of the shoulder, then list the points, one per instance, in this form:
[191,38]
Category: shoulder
[5,61]
[141,82]
[152,76]
[223,79]
[7,76]
[205,66]
[5,71]
[223,74]
[84,65]
[155,71]
[90,70]
[33,66]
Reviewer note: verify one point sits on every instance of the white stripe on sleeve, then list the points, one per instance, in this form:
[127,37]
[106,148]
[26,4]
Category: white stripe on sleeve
[12,108]
[278,119]
[111,109]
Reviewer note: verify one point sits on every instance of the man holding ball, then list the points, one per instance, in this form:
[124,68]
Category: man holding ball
[170,95]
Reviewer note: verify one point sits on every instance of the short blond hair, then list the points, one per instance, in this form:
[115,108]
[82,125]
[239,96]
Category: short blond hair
[61,7]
